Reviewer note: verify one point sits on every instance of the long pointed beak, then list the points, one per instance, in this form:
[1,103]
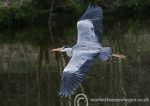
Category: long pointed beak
[57,50]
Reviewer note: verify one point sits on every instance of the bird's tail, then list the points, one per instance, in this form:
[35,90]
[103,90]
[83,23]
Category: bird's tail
[105,53]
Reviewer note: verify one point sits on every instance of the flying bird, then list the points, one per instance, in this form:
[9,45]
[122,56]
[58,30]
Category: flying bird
[86,50]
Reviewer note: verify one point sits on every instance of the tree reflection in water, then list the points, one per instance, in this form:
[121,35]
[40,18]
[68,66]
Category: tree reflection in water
[30,74]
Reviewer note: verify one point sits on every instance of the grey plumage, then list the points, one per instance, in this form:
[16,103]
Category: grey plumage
[86,50]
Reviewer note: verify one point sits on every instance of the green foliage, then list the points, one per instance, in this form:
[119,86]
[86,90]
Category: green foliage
[26,13]
[4,16]
[31,12]
[135,4]
[63,10]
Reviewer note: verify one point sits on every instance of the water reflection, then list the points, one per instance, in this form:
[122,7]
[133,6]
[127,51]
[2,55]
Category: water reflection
[30,74]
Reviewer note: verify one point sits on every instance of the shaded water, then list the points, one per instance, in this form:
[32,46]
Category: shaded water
[30,74]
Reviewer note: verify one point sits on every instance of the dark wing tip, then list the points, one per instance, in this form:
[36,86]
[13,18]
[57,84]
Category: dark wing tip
[69,83]
[71,78]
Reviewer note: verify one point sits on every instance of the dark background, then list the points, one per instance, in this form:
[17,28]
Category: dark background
[30,74]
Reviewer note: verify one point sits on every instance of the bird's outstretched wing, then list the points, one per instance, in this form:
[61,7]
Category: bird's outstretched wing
[75,72]
[95,14]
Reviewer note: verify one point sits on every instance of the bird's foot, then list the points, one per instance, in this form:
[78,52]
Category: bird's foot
[120,56]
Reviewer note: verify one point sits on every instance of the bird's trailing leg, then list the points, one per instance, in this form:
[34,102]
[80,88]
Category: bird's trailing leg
[120,56]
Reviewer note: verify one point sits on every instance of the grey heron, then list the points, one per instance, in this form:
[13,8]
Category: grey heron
[86,50]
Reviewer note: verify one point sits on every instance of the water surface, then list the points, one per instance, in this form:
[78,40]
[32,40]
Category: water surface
[30,74]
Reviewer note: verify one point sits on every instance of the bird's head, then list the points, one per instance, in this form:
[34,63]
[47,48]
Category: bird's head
[66,49]
[61,49]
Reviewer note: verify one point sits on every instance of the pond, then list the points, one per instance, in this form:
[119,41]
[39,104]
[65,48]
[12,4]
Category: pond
[30,74]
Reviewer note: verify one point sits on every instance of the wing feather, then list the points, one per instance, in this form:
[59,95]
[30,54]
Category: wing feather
[95,14]
[75,72]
